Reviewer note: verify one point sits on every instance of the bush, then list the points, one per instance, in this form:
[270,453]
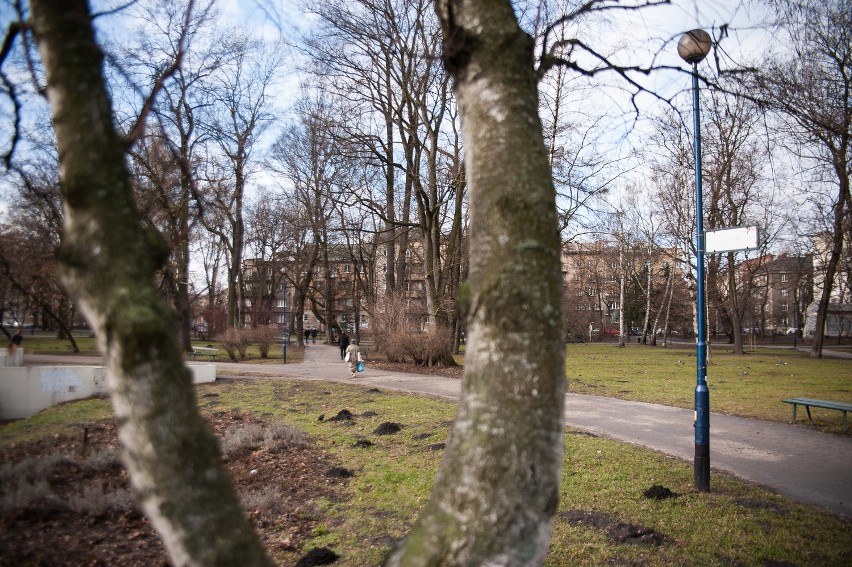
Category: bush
[434,347]
[430,348]
[235,342]
[264,337]
[215,321]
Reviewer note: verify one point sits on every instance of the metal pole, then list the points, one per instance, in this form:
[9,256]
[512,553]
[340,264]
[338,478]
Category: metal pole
[702,394]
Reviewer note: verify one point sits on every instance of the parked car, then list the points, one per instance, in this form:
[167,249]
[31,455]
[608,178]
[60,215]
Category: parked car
[610,332]
[792,331]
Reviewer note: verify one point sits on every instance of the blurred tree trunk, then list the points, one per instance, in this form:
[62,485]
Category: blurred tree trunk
[498,485]
[108,263]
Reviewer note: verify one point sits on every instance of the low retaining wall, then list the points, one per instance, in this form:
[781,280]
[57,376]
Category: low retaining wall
[28,390]
[16,360]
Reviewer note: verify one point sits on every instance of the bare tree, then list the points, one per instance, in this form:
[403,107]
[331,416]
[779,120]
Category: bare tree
[166,157]
[513,390]
[306,156]
[389,71]
[108,263]
[810,88]
[240,114]
[734,197]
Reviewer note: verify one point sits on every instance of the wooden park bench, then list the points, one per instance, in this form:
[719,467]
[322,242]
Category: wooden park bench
[203,351]
[808,403]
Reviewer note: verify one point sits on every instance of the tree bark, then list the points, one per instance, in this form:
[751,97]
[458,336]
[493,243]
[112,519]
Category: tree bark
[109,262]
[498,485]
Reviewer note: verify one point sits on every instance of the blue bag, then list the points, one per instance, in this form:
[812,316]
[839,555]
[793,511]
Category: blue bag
[360,366]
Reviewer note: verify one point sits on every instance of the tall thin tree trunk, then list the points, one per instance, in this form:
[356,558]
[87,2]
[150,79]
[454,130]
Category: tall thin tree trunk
[108,262]
[498,485]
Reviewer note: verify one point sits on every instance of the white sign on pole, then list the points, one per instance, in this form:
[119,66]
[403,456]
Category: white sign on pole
[731,239]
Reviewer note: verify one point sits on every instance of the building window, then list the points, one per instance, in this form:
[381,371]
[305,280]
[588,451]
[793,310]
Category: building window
[783,278]
[578,263]
[591,291]
[580,292]
[577,278]
[613,305]
[347,269]
[305,317]
[784,308]
[279,302]
[783,293]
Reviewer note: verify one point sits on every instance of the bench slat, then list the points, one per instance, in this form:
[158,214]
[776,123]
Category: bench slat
[204,351]
[841,406]
[826,404]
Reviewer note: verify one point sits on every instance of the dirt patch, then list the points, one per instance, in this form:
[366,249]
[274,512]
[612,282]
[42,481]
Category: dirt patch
[67,500]
[342,415]
[388,428]
[658,492]
[318,556]
[449,371]
[619,532]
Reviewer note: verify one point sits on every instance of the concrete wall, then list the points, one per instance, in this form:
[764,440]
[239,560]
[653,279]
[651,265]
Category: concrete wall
[28,390]
[16,360]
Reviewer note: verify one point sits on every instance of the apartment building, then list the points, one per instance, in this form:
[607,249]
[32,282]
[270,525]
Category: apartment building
[592,278]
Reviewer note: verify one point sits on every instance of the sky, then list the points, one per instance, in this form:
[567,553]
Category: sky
[632,37]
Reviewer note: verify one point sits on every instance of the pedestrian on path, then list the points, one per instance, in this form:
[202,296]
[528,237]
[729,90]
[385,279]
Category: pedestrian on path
[307,336]
[353,355]
[15,344]
[314,335]
[344,342]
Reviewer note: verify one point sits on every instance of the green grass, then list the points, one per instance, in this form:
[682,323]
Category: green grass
[750,385]
[88,346]
[734,524]
[51,345]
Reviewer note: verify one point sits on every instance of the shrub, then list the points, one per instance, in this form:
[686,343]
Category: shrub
[267,501]
[264,337]
[434,347]
[235,342]
[215,319]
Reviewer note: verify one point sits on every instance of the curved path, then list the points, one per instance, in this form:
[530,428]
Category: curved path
[805,465]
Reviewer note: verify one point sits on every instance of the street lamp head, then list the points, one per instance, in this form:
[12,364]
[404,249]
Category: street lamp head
[694,46]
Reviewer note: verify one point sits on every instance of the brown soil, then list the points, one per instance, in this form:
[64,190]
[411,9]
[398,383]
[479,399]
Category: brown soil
[66,500]
[451,371]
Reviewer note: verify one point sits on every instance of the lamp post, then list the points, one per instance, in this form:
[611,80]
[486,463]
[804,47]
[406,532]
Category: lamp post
[693,47]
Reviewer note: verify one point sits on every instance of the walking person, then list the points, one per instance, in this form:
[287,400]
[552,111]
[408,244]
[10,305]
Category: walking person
[344,342]
[307,336]
[353,354]
[15,344]
[314,335]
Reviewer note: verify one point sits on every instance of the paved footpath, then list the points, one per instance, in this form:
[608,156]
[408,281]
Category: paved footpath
[805,465]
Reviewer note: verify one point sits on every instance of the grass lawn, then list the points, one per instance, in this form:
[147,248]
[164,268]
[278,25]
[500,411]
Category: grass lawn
[750,385]
[601,496]
[88,346]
